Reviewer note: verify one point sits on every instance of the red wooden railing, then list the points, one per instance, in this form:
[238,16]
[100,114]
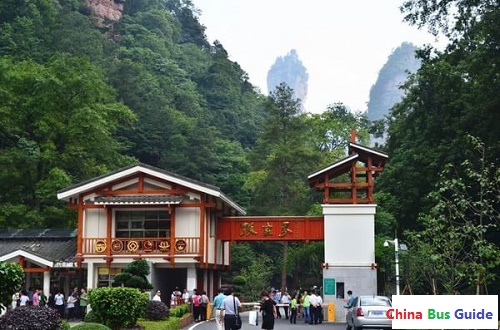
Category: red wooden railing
[126,246]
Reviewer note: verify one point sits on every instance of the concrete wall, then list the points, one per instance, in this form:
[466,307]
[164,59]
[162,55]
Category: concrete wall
[349,251]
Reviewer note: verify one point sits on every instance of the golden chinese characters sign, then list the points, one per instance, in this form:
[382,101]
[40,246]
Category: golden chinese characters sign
[279,228]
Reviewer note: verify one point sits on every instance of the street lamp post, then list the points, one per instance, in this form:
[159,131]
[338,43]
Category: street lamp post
[395,242]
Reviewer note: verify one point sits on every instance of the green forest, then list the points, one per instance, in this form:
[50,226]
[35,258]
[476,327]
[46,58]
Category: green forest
[81,97]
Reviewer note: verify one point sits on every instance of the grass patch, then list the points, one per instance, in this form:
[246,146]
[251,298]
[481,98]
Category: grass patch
[172,323]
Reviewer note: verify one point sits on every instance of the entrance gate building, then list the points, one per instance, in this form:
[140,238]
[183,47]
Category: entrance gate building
[184,227]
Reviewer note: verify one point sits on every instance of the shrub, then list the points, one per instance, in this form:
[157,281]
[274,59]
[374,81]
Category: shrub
[31,317]
[90,317]
[180,310]
[134,276]
[90,326]
[11,279]
[157,310]
[64,326]
[173,323]
[118,307]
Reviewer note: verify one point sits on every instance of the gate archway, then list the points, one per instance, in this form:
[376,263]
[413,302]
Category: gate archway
[347,226]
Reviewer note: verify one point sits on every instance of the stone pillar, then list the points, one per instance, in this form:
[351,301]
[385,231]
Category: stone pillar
[46,283]
[191,279]
[90,275]
[349,252]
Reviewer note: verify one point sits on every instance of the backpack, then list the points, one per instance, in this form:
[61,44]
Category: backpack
[196,300]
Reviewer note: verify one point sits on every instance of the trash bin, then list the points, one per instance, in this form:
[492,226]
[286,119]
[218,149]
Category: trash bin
[331,312]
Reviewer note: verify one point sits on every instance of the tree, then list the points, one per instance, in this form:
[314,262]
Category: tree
[282,159]
[134,275]
[448,16]
[451,95]
[258,276]
[118,307]
[11,280]
[458,247]
[60,124]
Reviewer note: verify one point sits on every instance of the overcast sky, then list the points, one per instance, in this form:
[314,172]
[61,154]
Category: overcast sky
[342,43]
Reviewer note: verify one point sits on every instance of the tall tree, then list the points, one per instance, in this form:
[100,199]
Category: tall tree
[281,161]
[59,128]
[458,247]
[452,94]
[283,158]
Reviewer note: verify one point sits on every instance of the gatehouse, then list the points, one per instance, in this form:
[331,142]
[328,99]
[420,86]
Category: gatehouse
[184,227]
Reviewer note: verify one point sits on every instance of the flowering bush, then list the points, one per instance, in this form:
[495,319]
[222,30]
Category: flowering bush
[157,310]
[31,317]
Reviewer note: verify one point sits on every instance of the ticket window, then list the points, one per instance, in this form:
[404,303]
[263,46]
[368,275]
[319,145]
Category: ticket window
[340,290]
[106,276]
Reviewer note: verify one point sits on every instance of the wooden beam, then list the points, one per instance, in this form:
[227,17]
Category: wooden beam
[37,269]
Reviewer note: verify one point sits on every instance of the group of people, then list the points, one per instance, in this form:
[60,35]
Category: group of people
[226,307]
[199,302]
[307,305]
[73,307]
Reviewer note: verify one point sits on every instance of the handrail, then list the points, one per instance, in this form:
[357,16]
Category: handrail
[140,245]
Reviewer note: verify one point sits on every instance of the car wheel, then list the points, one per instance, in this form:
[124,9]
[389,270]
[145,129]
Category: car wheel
[358,328]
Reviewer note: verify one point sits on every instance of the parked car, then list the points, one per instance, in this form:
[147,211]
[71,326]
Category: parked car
[369,312]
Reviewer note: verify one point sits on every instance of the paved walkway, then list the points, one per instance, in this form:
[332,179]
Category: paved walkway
[282,323]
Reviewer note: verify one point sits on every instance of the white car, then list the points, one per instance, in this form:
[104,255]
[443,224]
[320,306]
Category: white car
[369,312]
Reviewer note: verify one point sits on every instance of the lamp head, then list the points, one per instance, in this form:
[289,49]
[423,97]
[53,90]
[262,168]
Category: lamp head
[386,244]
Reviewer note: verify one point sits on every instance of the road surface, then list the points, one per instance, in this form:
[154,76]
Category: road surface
[280,324]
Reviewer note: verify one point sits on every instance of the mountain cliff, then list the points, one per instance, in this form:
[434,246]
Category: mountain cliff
[105,10]
[290,70]
[386,91]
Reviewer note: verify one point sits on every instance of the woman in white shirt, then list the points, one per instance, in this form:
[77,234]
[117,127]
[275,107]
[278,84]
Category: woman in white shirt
[157,296]
[59,303]
[24,299]
[15,299]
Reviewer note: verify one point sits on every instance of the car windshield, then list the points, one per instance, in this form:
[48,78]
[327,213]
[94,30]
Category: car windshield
[374,301]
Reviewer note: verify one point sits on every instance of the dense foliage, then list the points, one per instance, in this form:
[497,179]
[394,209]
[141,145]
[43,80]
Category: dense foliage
[452,97]
[90,326]
[11,280]
[157,310]
[78,100]
[31,317]
[118,307]
[134,275]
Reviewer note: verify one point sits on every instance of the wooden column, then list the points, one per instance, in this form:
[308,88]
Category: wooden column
[369,179]
[109,228]
[203,231]
[172,252]
[79,234]
[354,190]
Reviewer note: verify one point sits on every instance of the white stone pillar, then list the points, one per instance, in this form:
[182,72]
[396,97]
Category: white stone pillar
[191,279]
[46,282]
[90,275]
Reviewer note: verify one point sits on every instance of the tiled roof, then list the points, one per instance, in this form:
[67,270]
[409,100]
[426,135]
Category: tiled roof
[139,199]
[34,233]
[60,245]
[145,166]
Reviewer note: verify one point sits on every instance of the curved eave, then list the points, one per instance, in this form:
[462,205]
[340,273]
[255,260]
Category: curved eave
[75,192]
[333,166]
